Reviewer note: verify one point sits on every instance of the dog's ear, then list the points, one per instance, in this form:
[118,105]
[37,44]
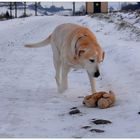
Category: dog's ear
[78,54]
[81,52]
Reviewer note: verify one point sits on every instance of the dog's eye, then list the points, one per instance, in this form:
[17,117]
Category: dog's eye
[92,60]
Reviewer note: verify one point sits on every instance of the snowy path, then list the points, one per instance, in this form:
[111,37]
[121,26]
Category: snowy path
[29,103]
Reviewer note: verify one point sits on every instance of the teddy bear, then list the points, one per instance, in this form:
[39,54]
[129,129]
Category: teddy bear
[100,99]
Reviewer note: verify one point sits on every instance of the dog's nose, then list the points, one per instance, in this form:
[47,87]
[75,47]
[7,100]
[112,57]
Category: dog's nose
[97,74]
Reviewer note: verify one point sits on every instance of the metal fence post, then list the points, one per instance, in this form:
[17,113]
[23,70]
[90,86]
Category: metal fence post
[24,8]
[15,9]
[10,9]
[73,8]
[35,8]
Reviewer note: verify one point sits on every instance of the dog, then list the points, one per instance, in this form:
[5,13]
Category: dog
[73,46]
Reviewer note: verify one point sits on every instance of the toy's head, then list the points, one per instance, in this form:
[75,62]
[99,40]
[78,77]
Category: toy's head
[91,100]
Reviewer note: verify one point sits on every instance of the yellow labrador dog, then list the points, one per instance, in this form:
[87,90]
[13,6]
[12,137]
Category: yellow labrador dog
[73,46]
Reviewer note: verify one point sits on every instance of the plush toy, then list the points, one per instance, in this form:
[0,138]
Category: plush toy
[100,99]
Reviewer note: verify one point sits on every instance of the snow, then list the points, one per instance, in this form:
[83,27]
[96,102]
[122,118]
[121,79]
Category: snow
[132,17]
[30,105]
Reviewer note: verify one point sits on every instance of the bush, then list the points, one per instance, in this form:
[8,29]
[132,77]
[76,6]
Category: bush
[5,16]
[132,7]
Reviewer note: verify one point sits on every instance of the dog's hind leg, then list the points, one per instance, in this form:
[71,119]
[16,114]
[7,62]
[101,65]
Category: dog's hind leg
[64,77]
[57,66]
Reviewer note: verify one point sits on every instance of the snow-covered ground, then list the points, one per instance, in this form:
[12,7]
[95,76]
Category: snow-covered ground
[130,17]
[30,105]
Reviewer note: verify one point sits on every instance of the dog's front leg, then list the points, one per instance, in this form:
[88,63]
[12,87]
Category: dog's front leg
[92,82]
[64,77]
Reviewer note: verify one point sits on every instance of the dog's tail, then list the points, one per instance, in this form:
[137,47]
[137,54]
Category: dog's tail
[40,44]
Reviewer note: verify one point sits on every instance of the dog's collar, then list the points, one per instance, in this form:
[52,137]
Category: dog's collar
[77,42]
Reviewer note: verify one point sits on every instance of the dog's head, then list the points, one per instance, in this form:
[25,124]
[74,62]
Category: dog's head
[90,55]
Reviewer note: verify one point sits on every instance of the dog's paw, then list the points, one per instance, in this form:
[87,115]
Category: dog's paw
[61,90]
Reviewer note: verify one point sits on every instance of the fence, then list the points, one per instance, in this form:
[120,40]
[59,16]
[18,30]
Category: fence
[23,9]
